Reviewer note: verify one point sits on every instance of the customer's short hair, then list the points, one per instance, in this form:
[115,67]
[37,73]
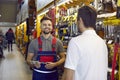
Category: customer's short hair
[88,15]
[45,18]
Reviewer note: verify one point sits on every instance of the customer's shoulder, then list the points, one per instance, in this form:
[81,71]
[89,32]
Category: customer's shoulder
[77,37]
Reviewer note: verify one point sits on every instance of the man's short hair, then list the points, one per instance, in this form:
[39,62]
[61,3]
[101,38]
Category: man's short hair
[88,15]
[46,18]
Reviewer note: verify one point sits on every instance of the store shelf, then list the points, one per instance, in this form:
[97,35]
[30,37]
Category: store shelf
[110,70]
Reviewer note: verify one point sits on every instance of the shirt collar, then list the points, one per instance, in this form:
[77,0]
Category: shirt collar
[49,38]
[89,32]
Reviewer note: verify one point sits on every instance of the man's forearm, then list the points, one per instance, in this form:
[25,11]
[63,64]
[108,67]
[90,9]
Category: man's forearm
[68,74]
[29,59]
[29,62]
[61,61]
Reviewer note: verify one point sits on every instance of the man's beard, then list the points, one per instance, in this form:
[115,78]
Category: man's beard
[46,32]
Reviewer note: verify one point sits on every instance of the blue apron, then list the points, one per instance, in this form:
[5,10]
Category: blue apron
[46,56]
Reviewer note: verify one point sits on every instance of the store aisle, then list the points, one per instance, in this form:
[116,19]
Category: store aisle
[13,66]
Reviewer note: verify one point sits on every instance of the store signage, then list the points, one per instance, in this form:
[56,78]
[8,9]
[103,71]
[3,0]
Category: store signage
[42,3]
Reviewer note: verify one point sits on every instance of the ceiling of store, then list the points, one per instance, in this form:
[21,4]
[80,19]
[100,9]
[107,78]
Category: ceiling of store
[8,11]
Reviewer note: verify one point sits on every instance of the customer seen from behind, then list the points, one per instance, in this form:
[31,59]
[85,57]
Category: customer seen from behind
[87,54]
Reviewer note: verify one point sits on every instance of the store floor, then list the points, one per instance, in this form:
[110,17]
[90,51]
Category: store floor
[13,66]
